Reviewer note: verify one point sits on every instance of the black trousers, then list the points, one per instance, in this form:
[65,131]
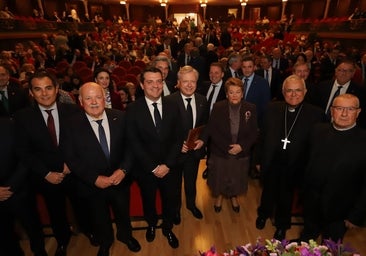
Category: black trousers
[20,206]
[118,199]
[277,194]
[168,185]
[188,170]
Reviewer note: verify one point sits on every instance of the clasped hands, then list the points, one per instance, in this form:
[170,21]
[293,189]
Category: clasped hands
[113,180]
[58,177]
[161,170]
[235,149]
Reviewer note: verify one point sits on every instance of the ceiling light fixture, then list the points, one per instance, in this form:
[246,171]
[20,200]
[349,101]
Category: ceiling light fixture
[122,2]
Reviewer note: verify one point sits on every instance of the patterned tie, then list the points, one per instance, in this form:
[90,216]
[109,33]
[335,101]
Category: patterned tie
[245,87]
[102,138]
[210,97]
[189,113]
[5,101]
[157,117]
[51,126]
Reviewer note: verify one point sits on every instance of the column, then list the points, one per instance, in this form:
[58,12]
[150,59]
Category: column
[284,2]
[86,12]
[326,9]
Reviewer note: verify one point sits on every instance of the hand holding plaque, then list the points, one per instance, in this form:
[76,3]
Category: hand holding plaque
[193,135]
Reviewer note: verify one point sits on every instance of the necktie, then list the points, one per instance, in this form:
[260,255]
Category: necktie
[211,94]
[102,138]
[236,74]
[5,101]
[51,126]
[189,113]
[157,117]
[245,87]
[266,75]
[277,64]
[338,91]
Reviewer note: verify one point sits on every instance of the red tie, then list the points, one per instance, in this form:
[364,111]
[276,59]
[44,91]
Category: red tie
[51,126]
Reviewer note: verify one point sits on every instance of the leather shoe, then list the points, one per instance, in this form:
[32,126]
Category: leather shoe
[61,250]
[103,251]
[236,208]
[279,234]
[172,239]
[260,222]
[196,212]
[217,208]
[132,244]
[93,241]
[177,219]
[150,233]
[205,174]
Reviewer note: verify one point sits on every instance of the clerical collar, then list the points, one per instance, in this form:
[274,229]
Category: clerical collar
[343,129]
[293,109]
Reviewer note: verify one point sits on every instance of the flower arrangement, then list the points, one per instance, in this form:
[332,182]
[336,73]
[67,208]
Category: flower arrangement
[273,247]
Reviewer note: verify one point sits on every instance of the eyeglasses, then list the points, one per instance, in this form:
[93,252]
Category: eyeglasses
[341,109]
[296,91]
[344,70]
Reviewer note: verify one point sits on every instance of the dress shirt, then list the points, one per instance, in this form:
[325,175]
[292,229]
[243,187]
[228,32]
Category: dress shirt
[5,90]
[249,83]
[151,107]
[105,125]
[269,78]
[232,72]
[334,89]
[214,97]
[55,118]
[193,105]
[165,89]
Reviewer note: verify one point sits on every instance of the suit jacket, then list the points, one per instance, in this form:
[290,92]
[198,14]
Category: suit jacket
[205,86]
[202,112]
[149,148]
[276,83]
[85,156]
[273,131]
[17,98]
[228,74]
[35,144]
[12,172]
[319,96]
[218,129]
[260,95]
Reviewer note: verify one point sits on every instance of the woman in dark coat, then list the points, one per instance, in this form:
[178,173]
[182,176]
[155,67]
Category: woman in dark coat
[232,130]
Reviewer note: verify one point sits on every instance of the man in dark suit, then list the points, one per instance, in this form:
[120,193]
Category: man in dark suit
[97,154]
[234,67]
[323,94]
[272,75]
[12,96]
[256,88]
[170,79]
[41,131]
[193,111]
[214,90]
[16,200]
[278,61]
[155,143]
[283,153]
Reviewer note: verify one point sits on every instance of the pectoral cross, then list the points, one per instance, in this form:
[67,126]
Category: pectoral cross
[285,141]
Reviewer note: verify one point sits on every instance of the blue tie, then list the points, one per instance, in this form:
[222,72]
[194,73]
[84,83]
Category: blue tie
[102,138]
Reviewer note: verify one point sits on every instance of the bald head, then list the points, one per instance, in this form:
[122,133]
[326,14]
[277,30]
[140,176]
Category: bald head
[92,99]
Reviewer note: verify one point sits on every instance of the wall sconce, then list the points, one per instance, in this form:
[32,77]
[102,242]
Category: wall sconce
[163,3]
[122,2]
[203,3]
[243,2]
[284,0]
